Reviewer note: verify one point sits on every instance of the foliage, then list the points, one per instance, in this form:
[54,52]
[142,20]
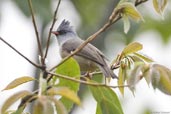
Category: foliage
[57,91]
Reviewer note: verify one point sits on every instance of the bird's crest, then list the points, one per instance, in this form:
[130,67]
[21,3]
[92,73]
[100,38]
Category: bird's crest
[65,25]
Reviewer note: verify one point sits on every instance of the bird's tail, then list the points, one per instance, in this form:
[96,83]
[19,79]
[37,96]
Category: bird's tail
[107,71]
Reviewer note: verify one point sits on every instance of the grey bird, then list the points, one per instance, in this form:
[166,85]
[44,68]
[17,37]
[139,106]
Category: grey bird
[89,58]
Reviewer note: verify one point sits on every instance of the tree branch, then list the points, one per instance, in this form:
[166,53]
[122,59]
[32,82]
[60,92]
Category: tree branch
[34,64]
[115,16]
[50,30]
[36,32]
[85,82]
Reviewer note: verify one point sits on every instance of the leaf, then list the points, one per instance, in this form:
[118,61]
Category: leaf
[69,68]
[18,81]
[121,79]
[131,48]
[108,107]
[105,94]
[135,77]
[126,23]
[144,57]
[65,92]
[60,108]
[164,81]
[98,109]
[159,5]
[43,106]
[130,10]
[11,100]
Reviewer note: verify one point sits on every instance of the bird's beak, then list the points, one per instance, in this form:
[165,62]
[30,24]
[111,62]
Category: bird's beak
[55,32]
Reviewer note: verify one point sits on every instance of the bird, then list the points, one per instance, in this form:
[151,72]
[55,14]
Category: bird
[89,57]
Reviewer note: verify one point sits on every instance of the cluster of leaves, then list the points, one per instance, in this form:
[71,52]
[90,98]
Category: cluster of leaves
[134,66]
[60,94]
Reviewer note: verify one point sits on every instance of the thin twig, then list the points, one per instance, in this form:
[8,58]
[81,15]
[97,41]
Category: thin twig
[115,18]
[85,82]
[34,64]
[50,30]
[36,31]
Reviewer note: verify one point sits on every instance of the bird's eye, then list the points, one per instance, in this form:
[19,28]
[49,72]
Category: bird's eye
[62,32]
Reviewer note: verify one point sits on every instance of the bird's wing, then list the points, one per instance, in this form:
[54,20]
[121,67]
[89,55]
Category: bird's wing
[89,51]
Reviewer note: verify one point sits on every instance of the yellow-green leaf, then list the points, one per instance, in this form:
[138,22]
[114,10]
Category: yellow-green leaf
[43,106]
[131,48]
[11,100]
[60,108]
[65,92]
[159,5]
[121,80]
[18,82]
[130,10]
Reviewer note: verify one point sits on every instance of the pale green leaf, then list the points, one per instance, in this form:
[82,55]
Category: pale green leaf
[144,57]
[164,82]
[155,77]
[134,77]
[159,5]
[65,92]
[60,108]
[131,48]
[69,68]
[18,81]
[126,24]
[102,94]
[130,10]
[11,100]
[43,106]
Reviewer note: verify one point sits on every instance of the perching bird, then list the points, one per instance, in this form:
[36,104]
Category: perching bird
[89,58]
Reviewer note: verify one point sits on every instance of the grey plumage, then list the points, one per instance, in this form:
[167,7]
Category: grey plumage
[89,58]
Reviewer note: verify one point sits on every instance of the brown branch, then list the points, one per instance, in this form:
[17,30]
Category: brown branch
[115,16]
[36,31]
[84,82]
[34,64]
[50,30]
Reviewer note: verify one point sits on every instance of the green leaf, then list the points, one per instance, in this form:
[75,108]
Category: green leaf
[108,107]
[43,106]
[131,48]
[105,94]
[18,82]
[60,108]
[144,57]
[163,83]
[130,10]
[98,109]
[65,92]
[69,68]
[11,100]
[159,5]
[126,23]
